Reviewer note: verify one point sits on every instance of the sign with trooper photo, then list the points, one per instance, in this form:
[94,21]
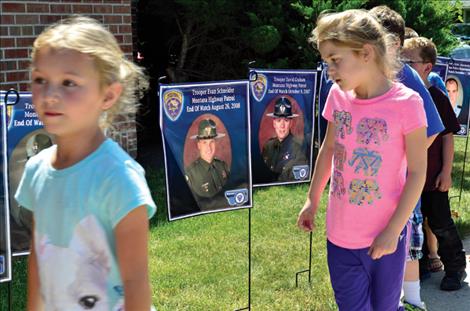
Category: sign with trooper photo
[282,123]
[5,254]
[26,137]
[206,135]
[441,67]
[457,81]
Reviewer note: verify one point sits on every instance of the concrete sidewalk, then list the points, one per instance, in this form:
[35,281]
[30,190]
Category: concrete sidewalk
[437,300]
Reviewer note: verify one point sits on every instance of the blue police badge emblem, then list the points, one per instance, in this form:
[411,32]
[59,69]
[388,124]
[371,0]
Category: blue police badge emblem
[300,172]
[173,104]
[463,130]
[259,86]
[236,197]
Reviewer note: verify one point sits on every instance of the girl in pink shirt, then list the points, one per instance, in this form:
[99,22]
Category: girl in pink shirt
[375,154]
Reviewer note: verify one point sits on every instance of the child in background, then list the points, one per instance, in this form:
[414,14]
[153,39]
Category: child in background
[434,264]
[394,23]
[422,54]
[433,77]
[89,198]
[379,127]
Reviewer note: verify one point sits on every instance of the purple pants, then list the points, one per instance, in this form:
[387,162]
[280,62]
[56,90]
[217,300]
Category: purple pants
[363,284]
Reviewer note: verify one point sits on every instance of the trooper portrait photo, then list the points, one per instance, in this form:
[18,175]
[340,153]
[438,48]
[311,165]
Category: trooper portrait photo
[282,152]
[282,123]
[453,87]
[207,175]
[21,218]
[206,147]
[457,84]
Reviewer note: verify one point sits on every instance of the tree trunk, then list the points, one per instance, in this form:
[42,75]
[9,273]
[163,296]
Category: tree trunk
[185,38]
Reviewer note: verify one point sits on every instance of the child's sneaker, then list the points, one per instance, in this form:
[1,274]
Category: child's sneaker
[409,307]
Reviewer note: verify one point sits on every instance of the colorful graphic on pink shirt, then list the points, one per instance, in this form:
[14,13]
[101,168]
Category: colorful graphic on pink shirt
[337,186]
[368,161]
[369,165]
[343,122]
[363,191]
[339,156]
[372,130]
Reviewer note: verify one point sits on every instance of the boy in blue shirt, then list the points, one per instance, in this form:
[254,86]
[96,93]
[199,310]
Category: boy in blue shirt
[395,24]
[435,198]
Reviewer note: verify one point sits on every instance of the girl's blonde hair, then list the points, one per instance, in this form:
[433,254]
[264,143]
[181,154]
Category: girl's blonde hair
[353,29]
[86,35]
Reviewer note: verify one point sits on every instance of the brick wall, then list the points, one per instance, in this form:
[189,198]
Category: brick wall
[21,21]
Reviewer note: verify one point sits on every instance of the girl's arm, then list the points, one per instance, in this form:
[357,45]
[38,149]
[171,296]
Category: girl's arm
[35,302]
[416,156]
[444,179]
[321,174]
[131,235]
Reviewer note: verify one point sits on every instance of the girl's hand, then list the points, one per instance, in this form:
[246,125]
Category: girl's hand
[384,244]
[306,219]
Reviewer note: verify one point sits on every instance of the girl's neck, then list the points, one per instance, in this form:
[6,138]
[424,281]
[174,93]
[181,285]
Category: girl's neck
[74,148]
[373,88]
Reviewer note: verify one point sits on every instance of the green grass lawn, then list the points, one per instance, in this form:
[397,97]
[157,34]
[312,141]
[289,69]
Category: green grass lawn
[462,207]
[201,263]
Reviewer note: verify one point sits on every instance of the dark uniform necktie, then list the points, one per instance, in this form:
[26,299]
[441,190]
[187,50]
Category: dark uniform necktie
[216,177]
[276,152]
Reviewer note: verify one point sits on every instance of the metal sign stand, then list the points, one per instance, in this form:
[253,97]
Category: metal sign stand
[462,177]
[249,263]
[10,295]
[160,79]
[309,270]
[10,286]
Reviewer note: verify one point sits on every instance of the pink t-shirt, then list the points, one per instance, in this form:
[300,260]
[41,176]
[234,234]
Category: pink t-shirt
[369,163]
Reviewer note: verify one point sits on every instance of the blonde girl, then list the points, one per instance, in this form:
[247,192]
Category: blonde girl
[89,198]
[376,132]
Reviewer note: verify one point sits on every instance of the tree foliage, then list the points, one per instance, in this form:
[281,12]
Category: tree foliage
[194,40]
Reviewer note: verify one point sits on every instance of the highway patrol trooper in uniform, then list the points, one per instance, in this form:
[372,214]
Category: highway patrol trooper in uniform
[207,175]
[282,152]
[21,219]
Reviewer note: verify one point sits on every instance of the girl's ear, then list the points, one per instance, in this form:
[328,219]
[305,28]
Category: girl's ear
[368,52]
[111,94]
